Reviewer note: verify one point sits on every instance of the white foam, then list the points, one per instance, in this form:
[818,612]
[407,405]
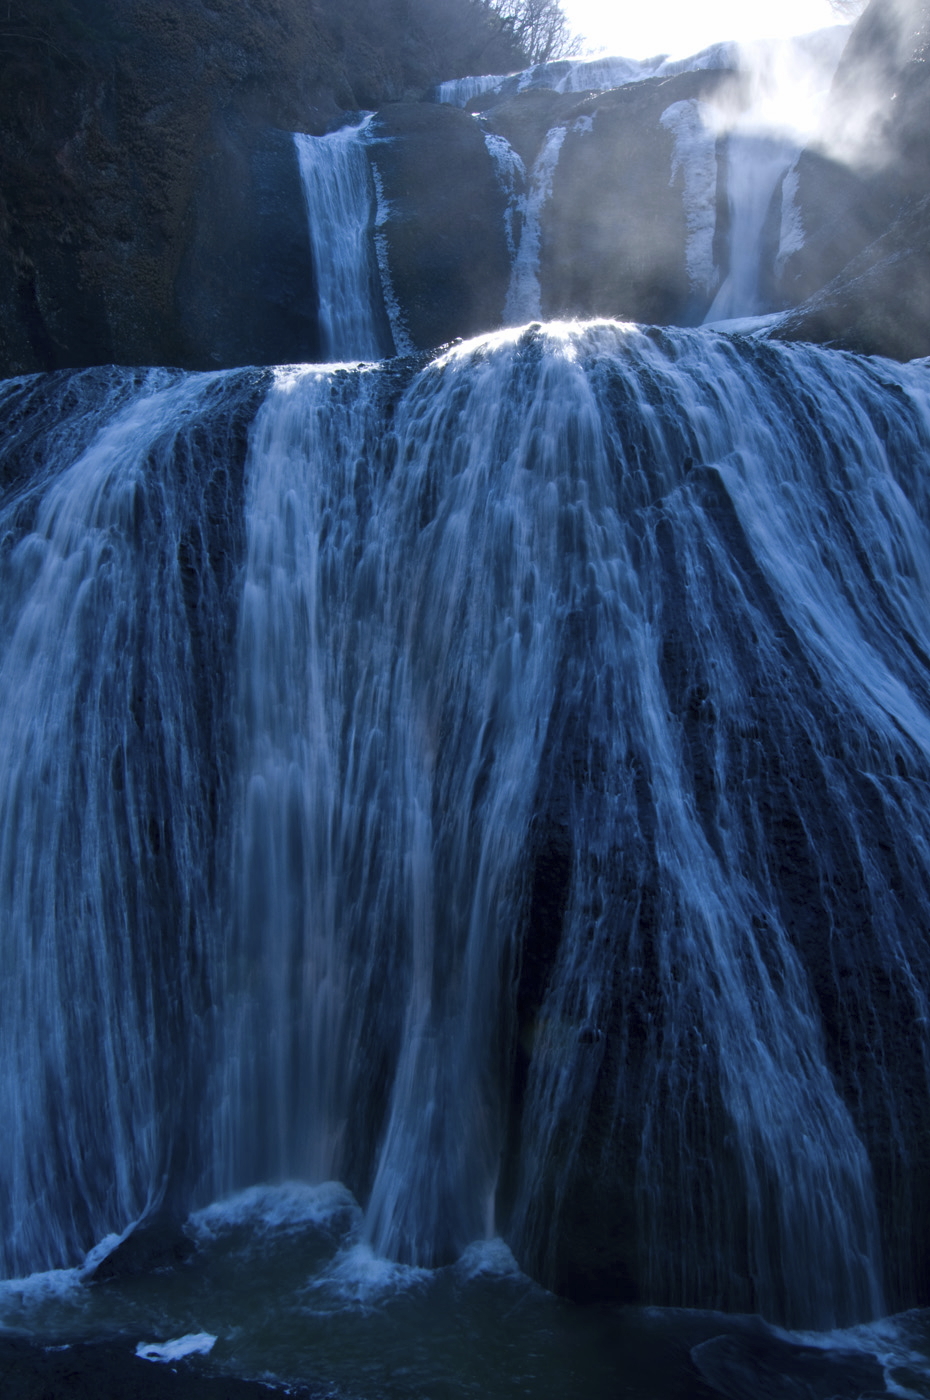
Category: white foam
[291,1206]
[487,1259]
[456,92]
[360,1278]
[746,325]
[192,1344]
[37,1288]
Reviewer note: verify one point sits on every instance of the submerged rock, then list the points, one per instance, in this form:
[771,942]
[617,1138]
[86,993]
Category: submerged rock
[760,1366]
[152,1245]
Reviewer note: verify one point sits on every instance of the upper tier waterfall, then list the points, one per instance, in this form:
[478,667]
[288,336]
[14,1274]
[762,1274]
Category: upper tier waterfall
[584,74]
[499,785]
[789,82]
[657,191]
[340,198]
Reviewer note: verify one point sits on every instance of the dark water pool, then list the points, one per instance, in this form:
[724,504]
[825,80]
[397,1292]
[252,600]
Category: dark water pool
[280,1288]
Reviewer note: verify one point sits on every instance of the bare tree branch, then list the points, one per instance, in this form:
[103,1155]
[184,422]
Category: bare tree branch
[538,27]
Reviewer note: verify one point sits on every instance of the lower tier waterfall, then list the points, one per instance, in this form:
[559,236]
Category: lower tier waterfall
[499,785]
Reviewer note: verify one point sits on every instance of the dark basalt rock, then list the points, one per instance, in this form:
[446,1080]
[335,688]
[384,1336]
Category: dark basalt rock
[614,232]
[843,211]
[524,118]
[245,291]
[103,162]
[760,1366]
[153,1245]
[146,209]
[880,303]
[446,248]
[862,279]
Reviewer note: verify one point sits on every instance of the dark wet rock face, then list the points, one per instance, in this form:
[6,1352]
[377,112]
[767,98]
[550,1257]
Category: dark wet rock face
[446,249]
[245,290]
[760,1366]
[146,210]
[880,302]
[152,1245]
[842,214]
[102,171]
[614,234]
[862,279]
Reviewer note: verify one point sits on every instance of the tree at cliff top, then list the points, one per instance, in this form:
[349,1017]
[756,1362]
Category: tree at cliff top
[539,27]
[450,38]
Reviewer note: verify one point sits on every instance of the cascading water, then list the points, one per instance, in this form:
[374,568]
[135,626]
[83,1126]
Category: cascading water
[788,84]
[511,176]
[524,295]
[534,824]
[340,200]
[497,785]
[756,165]
[584,74]
[112,631]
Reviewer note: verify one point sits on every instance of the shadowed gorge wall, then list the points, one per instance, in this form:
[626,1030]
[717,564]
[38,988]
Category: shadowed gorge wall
[132,140]
[863,274]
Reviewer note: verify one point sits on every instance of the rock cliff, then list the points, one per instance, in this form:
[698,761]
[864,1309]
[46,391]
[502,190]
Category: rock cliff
[861,281]
[141,178]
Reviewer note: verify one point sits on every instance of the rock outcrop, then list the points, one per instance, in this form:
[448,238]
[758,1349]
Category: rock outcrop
[861,281]
[446,248]
[620,194]
[879,304]
[636,203]
[145,212]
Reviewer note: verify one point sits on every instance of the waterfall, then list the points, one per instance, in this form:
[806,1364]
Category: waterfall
[511,176]
[339,195]
[756,166]
[788,82]
[524,295]
[597,74]
[458,92]
[115,575]
[499,785]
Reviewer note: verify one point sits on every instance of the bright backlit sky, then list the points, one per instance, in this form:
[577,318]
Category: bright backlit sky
[641,28]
